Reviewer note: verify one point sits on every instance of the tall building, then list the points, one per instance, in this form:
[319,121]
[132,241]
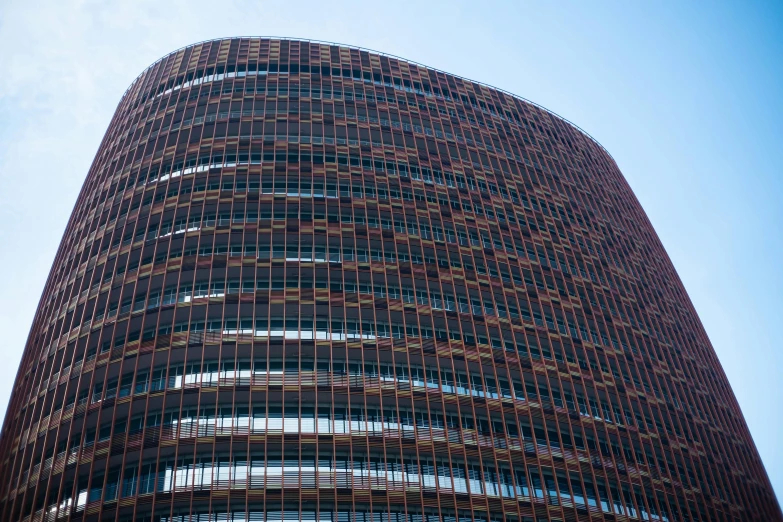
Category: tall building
[311,282]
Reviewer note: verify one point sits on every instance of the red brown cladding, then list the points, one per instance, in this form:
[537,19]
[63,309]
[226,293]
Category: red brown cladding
[305,281]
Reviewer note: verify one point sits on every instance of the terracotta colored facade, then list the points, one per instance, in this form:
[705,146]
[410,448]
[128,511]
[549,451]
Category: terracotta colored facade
[311,282]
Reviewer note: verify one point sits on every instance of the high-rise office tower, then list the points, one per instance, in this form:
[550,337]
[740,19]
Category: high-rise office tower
[311,282]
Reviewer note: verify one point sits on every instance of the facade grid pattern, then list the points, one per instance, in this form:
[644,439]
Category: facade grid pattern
[305,281]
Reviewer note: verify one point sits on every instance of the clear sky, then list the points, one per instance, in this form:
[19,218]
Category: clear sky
[685,95]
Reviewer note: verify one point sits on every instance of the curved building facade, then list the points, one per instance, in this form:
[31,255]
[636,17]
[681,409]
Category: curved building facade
[312,282]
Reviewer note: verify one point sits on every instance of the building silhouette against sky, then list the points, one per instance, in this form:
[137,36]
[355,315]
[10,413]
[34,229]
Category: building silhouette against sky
[311,282]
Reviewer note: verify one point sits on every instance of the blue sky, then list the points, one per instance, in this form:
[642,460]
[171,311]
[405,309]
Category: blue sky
[685,96]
